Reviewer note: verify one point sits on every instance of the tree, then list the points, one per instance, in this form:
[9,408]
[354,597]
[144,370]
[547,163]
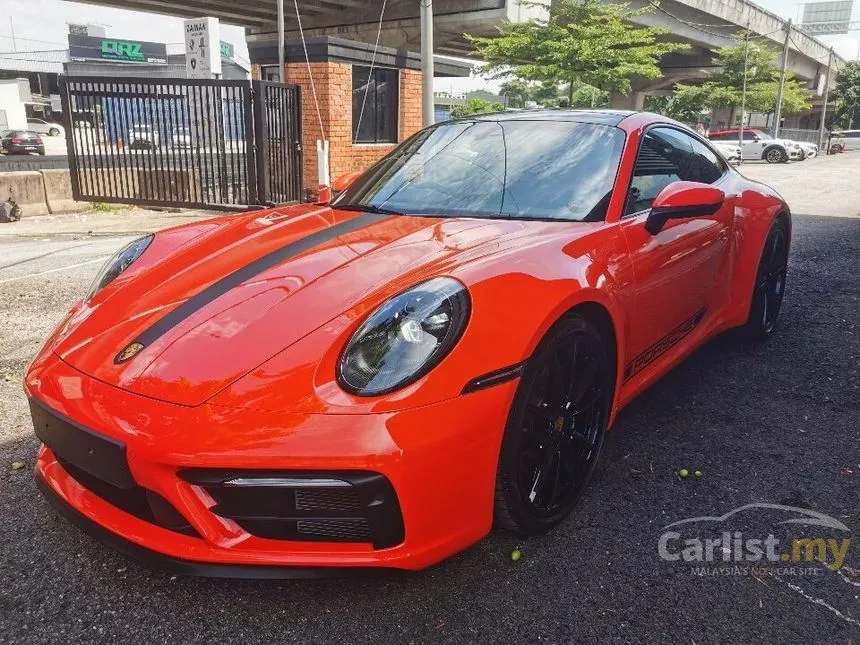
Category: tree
[516,91]
[475,106]
[725,88]
[544,94]
[847,95]
[583,41]
[587,96]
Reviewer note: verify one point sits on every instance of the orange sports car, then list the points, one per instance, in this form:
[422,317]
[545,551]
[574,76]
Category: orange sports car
[378,381]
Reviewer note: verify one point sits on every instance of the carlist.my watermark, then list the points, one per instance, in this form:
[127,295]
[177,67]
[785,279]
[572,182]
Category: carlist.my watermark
[710,546]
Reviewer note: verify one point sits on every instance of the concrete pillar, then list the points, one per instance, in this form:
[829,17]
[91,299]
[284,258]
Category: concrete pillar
[632,101]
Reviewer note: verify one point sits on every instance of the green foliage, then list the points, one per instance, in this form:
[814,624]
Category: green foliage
[847,95]
[687,103]
[583,42]
[475,106]
[516,91]
[544,94]
[587,96]
[725,88]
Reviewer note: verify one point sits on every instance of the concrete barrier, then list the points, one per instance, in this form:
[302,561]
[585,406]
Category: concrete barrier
[58,192]
[27,189]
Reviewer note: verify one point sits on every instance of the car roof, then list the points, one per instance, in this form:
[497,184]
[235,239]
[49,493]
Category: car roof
[604,117]
[736,130]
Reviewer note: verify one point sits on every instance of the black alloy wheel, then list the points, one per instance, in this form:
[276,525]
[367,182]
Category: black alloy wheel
[555,428]
[770,282]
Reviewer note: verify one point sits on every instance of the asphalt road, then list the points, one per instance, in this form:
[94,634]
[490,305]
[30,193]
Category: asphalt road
[776,423]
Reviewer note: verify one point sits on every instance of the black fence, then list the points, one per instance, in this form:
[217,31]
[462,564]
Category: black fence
[188,143]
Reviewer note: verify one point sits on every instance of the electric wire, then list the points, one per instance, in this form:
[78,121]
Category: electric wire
[310,72]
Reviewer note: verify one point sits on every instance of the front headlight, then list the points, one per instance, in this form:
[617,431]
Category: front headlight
[405,338]
[121,260]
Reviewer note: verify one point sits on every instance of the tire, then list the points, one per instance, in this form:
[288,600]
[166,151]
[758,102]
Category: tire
[547,458]
[775,154]
[769,287]
[54,132]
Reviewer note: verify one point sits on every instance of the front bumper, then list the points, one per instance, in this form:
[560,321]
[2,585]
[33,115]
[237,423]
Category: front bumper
[439,460]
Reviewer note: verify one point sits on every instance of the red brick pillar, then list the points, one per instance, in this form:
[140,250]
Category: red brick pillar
[333,83]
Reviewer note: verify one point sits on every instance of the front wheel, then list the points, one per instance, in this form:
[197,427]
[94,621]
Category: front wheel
[555,428]
[770,283]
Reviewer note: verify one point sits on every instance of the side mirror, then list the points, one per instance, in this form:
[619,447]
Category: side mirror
[339,185]
[683,199]
[344,181]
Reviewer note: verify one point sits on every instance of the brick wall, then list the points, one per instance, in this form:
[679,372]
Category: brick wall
[333,82]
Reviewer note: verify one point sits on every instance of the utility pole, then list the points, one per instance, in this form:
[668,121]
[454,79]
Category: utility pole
[744,94]
[824,107]
[778,114]
[12,29]
[281,28]
[427,61]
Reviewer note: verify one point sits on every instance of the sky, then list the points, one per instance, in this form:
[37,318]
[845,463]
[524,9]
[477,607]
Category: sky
[41,25]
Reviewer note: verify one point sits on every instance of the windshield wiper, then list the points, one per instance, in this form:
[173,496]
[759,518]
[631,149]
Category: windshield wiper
[367,208]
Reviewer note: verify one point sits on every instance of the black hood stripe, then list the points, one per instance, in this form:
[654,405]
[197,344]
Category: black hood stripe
[258,266]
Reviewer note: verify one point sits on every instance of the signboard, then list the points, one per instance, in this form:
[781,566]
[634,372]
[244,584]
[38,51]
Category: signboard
[830,17]
[202,48]
[226,50]
[114,50]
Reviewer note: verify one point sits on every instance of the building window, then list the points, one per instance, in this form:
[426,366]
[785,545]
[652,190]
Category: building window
[270,73]
[378,121]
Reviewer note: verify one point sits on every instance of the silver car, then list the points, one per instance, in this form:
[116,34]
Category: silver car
[45,127]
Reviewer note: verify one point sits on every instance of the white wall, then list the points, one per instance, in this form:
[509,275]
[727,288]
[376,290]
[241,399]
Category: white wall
[12,105]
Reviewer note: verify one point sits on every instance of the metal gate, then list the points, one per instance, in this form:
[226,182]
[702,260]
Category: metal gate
[183,143]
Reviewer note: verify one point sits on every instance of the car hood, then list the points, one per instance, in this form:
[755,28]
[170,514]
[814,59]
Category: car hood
[208,311]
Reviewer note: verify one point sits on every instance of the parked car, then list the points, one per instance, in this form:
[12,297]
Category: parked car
[732,153]
[810,150]
[758,144]
[21,142]
[143,137]
[45,127]
[378,381]
[846,139]
[181,137]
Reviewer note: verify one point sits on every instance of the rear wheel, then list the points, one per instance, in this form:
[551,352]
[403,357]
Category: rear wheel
[770,283]
[775,155]
[555,428]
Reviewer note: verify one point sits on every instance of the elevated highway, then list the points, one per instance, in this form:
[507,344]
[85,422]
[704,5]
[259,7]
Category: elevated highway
[704,24]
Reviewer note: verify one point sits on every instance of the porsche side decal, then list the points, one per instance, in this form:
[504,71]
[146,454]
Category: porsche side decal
[222,286]
[663,344]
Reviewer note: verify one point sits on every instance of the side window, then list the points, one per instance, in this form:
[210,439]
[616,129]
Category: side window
[749,136]
[665,156]
[717,137]
[708,167]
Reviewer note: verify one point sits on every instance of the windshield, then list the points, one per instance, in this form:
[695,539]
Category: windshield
[515,169]
[764,136]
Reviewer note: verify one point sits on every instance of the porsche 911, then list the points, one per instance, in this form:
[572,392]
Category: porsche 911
[379,380]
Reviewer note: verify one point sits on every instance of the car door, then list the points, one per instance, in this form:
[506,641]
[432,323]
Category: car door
[37,126]
[753,146]
[680,270]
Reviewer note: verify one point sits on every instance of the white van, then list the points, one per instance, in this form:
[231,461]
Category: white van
[848,138]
